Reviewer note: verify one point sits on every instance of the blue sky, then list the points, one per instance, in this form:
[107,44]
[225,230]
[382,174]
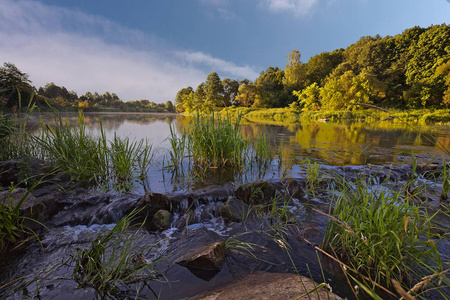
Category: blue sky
[150,49]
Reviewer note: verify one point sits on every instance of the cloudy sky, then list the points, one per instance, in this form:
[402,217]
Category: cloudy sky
[150,49]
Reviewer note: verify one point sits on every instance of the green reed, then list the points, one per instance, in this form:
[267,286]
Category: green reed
[75,151]
[178,145]
[129,160]
[115,259]
[15,227]
[217,142]
[382,235]
[93,160]
[14,137]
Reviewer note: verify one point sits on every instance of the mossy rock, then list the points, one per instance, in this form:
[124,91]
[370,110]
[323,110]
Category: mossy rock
[150,204]
[234,210]
[256,193]
[161,220]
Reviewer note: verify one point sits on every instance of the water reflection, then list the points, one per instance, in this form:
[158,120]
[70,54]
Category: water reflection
[327,143]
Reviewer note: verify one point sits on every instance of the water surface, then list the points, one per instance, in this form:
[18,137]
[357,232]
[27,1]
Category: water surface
[327,143]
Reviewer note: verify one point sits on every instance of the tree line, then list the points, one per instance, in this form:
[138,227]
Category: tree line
[15,87]
[409,70]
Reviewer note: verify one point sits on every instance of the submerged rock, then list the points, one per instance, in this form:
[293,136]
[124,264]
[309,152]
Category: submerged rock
[210,257]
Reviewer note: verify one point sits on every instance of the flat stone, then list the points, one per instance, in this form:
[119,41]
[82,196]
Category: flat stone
[210,257]
[269,286]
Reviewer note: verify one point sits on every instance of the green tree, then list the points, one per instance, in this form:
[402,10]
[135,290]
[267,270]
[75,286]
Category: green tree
[295,72]
[214,92]
[431,50]
[12,83]
[271,88]
[230,90]
[169,106]
[199,96]
[181,97]
[309,97]
[247,94]
[321,65]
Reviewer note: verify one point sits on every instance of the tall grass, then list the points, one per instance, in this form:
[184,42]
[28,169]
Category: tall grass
[93,160]
[75,151]
[217,142]
[383,235]
[14,137]
[214,146]
[178,149]
[129,160]
[114,260]
[15,227]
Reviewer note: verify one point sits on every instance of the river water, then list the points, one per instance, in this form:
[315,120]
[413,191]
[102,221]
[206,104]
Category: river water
[332,144]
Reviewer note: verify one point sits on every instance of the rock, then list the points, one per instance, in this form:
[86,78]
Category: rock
[29,205]
[22,169]
[162,220]
[256,193]
[269,286]
[156,201]
[210,257]
[234,210]
[294,187]
[151,203]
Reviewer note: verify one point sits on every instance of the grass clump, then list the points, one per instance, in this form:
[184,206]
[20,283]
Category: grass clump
[382,235]
[75,151]
[15,226]
[14,137]
[115,260]
[217,142]
[93,160]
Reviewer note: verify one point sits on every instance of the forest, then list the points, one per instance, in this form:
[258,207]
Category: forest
[16,90]
[407,71]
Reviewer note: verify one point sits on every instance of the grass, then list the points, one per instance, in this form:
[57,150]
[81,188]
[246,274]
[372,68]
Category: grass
[382,235]
[216,142]
[14,137]
[93,160]
[214,146]
[114,260]
[15,227]
[178,149]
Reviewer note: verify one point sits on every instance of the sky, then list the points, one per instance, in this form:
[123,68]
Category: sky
[150,49]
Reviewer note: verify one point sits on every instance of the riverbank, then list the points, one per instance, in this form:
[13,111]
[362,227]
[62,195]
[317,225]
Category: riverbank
[288,115]
[273,226]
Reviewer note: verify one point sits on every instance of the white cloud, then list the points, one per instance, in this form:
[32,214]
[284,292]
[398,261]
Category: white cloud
[89,53]
[218,64]
[298,7]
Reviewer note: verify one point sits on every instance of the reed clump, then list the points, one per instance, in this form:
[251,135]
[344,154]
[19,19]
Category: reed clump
[115,259]
[15,226]
[383,236]
[214,147]
[216,141]
[94,160]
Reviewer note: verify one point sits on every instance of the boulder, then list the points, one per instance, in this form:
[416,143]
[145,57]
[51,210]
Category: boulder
[150,204]
[260,192]
[161,220]
[234,210]
[294,187]
[210,257]
[29,205]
